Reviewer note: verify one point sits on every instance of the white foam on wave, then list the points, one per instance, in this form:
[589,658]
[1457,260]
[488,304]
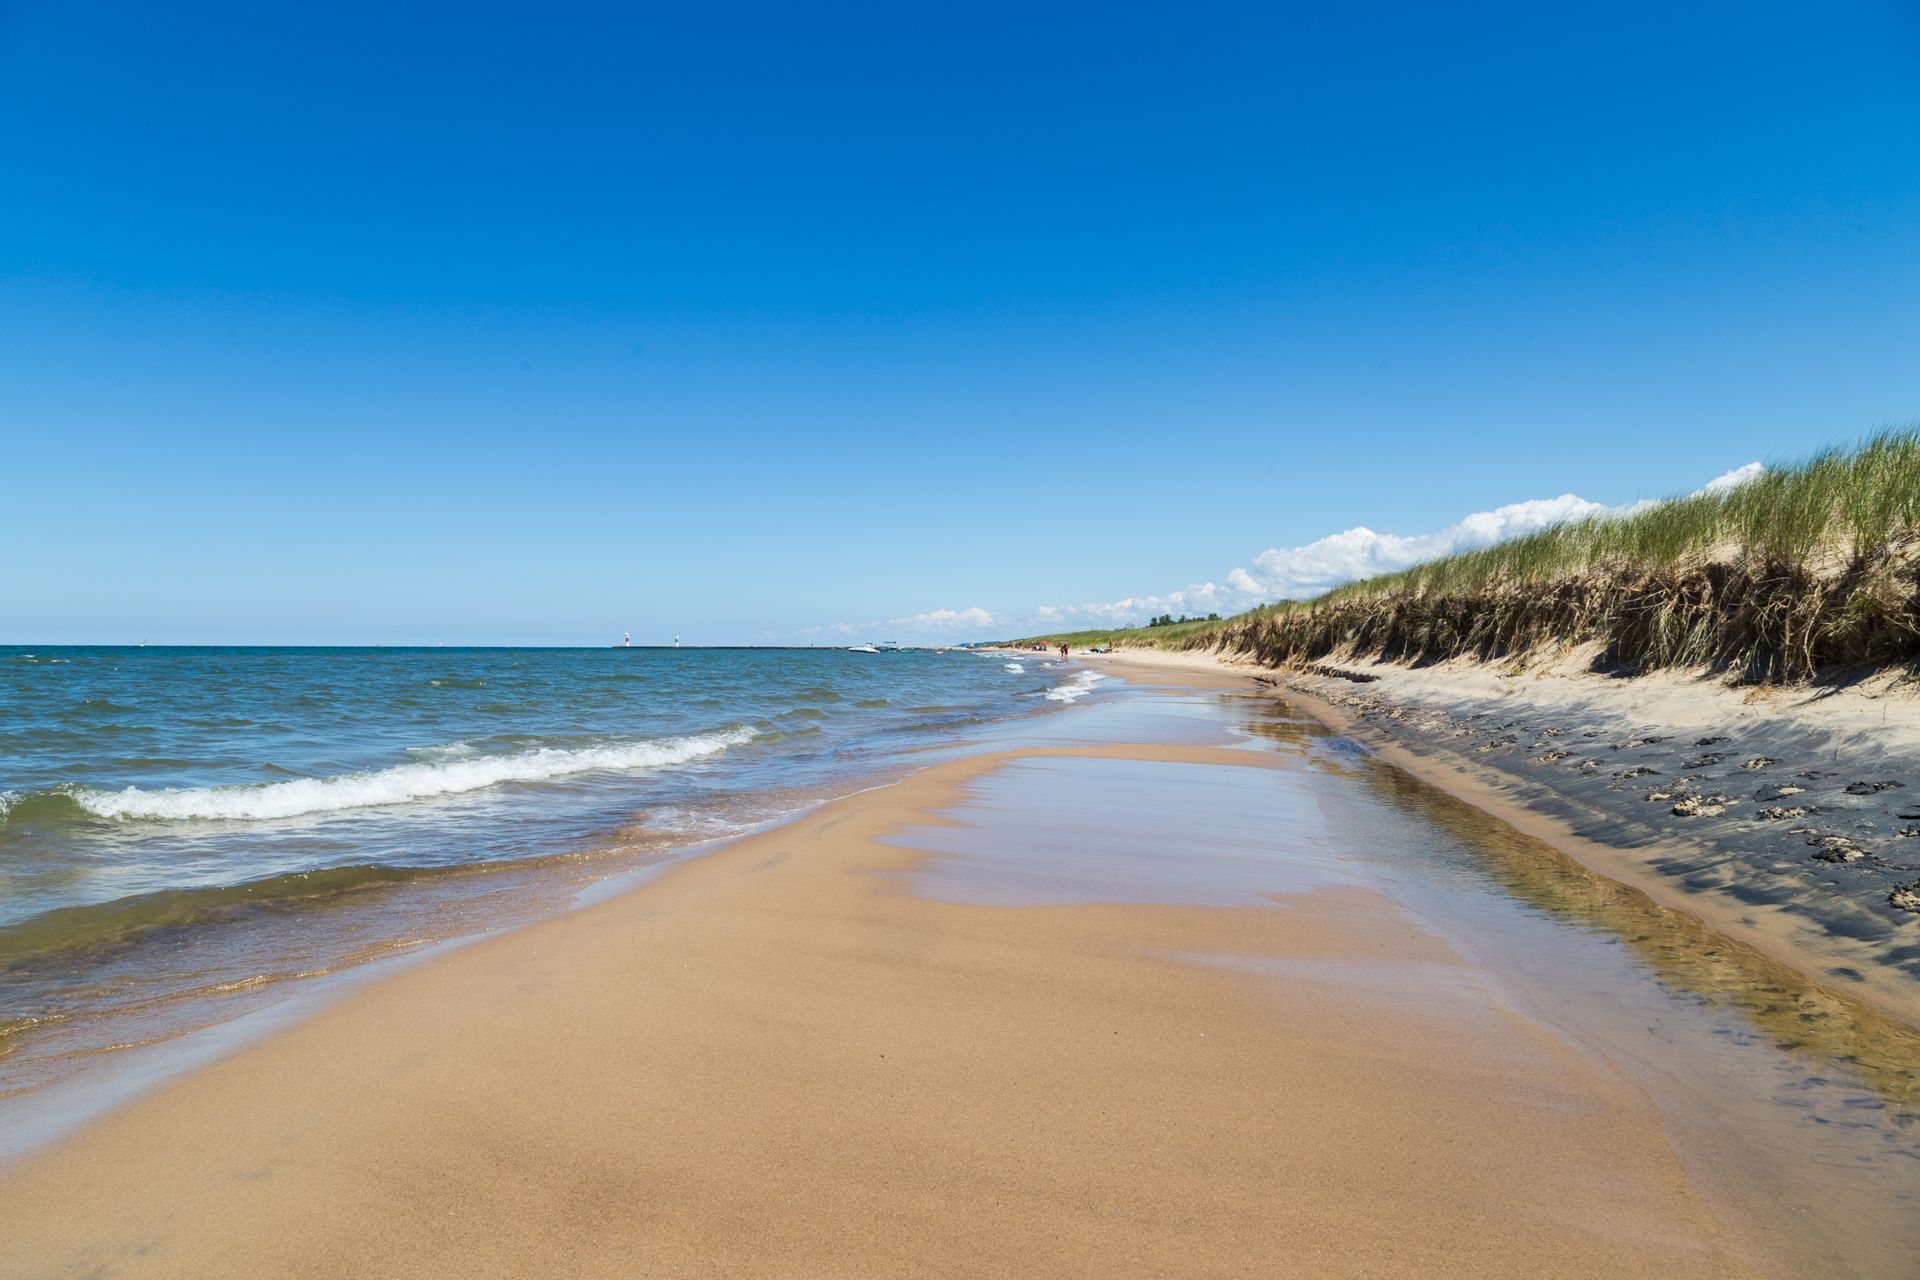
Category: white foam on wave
[445,751]
[1014,667]
[398,785]
[1075,689]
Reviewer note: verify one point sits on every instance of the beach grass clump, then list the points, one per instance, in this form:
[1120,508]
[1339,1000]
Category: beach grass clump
[1172,635]
[1805,567]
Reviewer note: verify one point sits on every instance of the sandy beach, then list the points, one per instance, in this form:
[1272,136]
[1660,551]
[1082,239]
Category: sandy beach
[796,643]
[911,1033]
[1785,817]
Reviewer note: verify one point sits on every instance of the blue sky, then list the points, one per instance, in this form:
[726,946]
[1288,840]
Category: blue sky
[542,323]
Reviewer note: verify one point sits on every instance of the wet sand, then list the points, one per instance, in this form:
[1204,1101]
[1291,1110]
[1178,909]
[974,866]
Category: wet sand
[943,1027]
[1788,819]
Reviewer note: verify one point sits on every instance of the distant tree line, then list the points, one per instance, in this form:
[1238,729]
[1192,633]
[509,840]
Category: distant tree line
[1167,619]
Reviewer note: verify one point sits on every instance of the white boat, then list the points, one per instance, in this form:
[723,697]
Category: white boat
[861,648]
[888,646]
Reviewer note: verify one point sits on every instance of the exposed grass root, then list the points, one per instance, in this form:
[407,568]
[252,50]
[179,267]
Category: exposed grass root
[1808,567]
[1766,621]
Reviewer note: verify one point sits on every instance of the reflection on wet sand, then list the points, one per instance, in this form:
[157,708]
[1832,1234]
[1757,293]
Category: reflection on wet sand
[1794,1013]
[1793,1103]
[1797,1102]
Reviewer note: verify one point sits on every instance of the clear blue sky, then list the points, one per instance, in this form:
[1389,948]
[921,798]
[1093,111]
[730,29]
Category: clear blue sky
[544,322]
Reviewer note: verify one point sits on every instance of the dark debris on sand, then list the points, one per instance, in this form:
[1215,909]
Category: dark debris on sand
[1848,862]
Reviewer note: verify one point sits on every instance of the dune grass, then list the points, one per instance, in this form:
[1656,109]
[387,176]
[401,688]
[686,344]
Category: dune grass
[1172,636]
[1812,565]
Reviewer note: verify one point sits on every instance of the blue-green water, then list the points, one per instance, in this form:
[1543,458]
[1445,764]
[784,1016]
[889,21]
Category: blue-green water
[182,821]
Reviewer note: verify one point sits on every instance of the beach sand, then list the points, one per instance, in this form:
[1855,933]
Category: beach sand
[1808,799]
[795,1056]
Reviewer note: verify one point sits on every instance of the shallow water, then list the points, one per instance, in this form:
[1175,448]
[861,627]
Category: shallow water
[1794,1106]
[1061,830]
[184,832]
[1791,1104]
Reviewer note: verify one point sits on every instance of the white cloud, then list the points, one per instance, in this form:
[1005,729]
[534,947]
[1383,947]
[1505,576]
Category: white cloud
[1242,581]
[1201,598]
[1296,573]
[971,623]
[1733,479]
[1278,573]
[948,619]
[1308,570]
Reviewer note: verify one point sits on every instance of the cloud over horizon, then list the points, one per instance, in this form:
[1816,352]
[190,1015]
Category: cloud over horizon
[1298,573]
[942,624]
[1289,573]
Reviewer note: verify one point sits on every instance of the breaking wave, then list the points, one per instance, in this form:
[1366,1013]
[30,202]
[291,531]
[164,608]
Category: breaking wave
[400,784]
[1075,689]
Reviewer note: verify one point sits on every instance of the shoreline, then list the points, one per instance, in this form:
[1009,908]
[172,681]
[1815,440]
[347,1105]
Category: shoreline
[227,918]
[1684,865]
[791,1057]
[1115,996]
